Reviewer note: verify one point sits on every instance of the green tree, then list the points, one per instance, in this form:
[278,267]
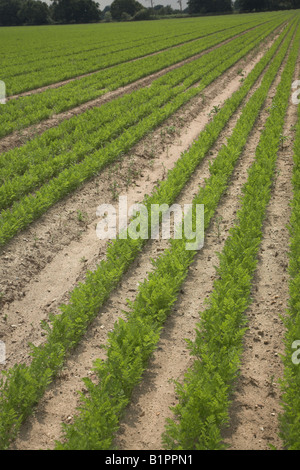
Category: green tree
[75,11]
[9,12]
[168,10]
[86,11]
[267,5]
[142,15]
[125,16]
[253,5]
[131,7]
[34,12]
[107,17]
[209,6]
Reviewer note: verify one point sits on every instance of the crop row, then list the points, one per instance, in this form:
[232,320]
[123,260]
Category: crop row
[113,42]
[46,158]
[145,45]
[204,396]
[132,342]
[290,385]
[54,42]
[48,71]
[24,385]
[21,170]
[17,114]
[108,46]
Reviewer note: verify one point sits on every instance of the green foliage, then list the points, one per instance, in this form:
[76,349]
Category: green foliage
[75,11]
[125,16]
[17,114]
[36,12]
[264,5]
[48,166]
[204,396]
[209,6]
[107,17]
[290,385]
[131,7]
[142,15]
[132,342]
[17,12]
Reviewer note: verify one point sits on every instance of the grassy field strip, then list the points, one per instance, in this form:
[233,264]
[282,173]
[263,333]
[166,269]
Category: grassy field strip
[132,342]
[71,126]
[99,80]
[31,79]
[61,45]
[161,52]
[204,396]
[146,44]
[289,420]
[191,31]
[103,49]
[55,141]
[33,206]
[22,173]
[60,39]
[22,386]
[24,78]
[168,43]
[20,113]
[61,51]
[106,48]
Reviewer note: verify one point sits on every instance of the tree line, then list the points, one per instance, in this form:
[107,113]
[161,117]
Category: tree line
[37,12]
[19,12]
[266,5]
[227,6]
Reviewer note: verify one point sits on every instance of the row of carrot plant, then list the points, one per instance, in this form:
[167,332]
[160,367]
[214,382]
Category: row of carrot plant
[17,114]
[23,386]
[204,396]
[132,342]
[60,173]
[289,420]
[102,124]
[47,70]
[81,38]
[132,48]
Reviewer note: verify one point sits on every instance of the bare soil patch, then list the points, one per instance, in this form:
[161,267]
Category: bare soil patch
[20,137]
[42,265]
[256,402]
[146,415]
[162,148]
[64,82]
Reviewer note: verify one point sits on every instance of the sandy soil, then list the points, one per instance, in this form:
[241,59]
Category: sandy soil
[65,236]
[20,137]
[41,266]
[256,402]
[145,422]
[64,82]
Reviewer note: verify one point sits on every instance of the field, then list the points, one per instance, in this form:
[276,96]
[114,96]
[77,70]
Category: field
[136,342]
